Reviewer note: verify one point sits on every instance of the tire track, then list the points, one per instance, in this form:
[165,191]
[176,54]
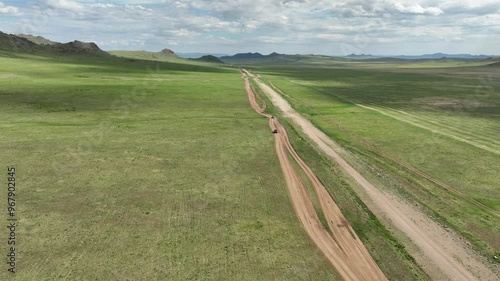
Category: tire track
[344,250]
[403,164]
[397,115]
[442,253]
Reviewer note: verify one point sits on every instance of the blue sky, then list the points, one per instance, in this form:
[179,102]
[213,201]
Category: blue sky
[382,27]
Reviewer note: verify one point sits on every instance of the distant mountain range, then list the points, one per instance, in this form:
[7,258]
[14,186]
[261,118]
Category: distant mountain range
[259,56]
[198,55]
[362,56]
[426,56]
[275,58]
[22,43]
[208,58]
[37,45]
[247,56]
[163,55]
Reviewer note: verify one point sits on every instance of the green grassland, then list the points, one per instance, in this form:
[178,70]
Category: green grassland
[442,121]
[135,170]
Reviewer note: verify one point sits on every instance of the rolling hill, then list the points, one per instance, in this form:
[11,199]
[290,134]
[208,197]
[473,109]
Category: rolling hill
[163,55]
[28,44]
[209,58]
[39,40]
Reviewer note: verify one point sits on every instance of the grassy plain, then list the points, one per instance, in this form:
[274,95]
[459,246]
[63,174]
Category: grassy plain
[442,121]
[144,171]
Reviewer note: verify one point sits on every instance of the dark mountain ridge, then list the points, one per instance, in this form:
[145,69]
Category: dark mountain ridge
[21,44]
[246,56]
[209,58]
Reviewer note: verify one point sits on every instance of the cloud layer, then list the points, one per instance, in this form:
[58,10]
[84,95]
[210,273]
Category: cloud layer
[292,26]
[4,9]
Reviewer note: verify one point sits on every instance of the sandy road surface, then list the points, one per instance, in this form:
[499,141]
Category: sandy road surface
[387,155]
[420,173]
[441,252]
[344,250]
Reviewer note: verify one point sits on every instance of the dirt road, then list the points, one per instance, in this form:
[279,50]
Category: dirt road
[344,250]
[440,251]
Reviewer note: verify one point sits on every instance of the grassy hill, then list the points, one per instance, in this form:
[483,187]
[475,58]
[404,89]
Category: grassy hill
[209,58]
[164,55]
[39,40]
[13,45]
[16,44]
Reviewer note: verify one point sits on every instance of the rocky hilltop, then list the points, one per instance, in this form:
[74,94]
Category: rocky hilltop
[30,44]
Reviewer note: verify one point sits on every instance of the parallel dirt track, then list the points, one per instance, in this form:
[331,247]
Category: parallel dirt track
[394,159]
[344,250]
[441,252]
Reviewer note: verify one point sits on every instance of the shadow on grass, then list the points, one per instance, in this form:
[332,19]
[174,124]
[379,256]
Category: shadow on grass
[74,83]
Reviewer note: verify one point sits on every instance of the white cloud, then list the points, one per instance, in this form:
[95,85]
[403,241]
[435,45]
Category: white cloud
[379,8]
[417,9]
[139,7]
[465,4]
[271,39]
[65,5]
[287,24]
[4,9]
[184,33]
